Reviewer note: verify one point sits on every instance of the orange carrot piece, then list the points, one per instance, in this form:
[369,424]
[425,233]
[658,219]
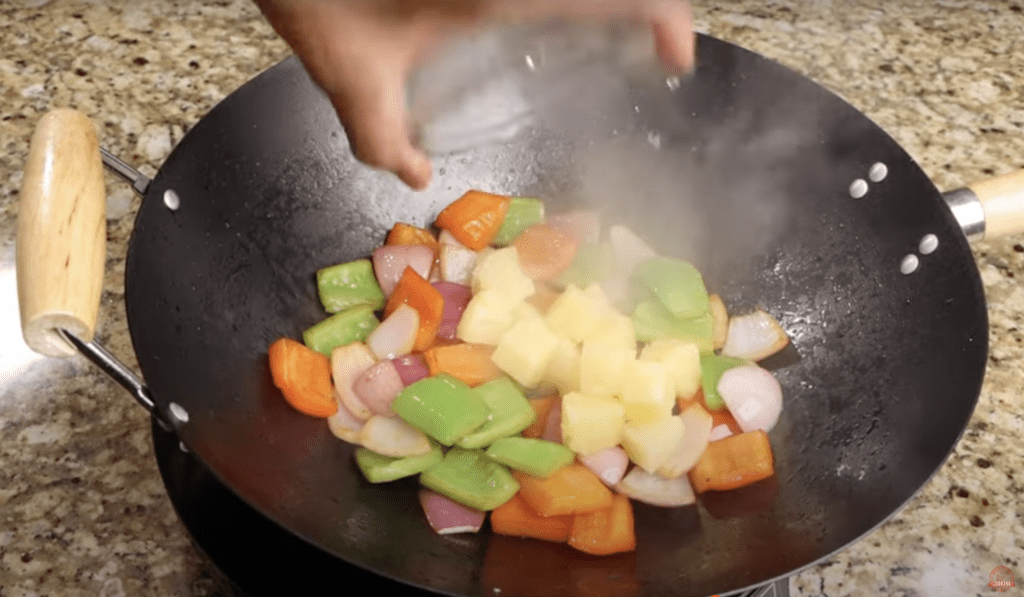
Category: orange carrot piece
[516,518]
[304,377]
[733,462]
[474,218]
[469,363]
[542,406]
[572,489]
[606,531]
[419,294]
[544,251]
[543,297]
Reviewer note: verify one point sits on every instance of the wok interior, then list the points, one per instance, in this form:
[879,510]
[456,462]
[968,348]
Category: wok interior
[749,181]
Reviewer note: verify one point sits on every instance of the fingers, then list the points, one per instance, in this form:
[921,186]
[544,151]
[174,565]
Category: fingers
[674,39]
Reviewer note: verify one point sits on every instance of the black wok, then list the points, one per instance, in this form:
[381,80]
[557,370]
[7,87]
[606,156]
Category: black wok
[884,375]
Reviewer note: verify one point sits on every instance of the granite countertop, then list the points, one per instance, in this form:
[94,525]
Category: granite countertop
[82,507]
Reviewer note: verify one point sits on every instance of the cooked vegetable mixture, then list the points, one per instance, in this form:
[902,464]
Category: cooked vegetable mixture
[532,367]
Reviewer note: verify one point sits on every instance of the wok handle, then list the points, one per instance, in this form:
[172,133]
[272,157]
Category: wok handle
[62,233]
[1002,199]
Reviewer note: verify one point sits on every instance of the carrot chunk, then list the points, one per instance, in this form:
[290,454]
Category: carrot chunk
[469,363]
[516,518]
[569,490]
[419,294]
[303,376]
[606,531]
[474,218]
[733,462]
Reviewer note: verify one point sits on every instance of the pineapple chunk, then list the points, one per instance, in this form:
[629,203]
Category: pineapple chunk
[523,311]
[564,368]
[525,351]
[649,445]
[602,366]
[647,392]
[615,330]
[500,271]
[576,313]
[486,319]
[682,361]
[591,423]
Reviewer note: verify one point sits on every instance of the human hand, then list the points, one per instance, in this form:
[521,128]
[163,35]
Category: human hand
[362,51]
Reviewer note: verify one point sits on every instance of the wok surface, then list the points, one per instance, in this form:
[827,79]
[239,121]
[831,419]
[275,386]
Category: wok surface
[270,195]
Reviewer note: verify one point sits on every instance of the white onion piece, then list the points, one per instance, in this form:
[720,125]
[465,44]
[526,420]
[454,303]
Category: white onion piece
[457,264]
[720,432]
[753,397]
[553,428]
[657,491]
[583,225]
[378,386]
[696,431]
[609,465]
[447,517]
[628,248]
[393,437]
[344,425]
[390,261]
[347,364]
[411,368]
[754,336]
[456,297]
[447,238]
[720,318]
[396,335]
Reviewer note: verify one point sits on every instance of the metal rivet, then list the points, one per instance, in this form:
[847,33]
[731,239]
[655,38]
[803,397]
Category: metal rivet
[858,188]
[928,244]
[672,82]
[909,264]
[529,63]
[178,412]
[181,446]
[171,200]
[878,172]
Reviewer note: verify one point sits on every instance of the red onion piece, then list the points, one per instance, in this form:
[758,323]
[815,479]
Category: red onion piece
[753,397]
[447,517]
[609,465]
[378,386]
[344,425]
[390,261]
[411,368]
[456,297]
[396,335]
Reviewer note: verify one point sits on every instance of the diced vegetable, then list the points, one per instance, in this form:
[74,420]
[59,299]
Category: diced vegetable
[718,432]
[378,468]
[416,292]
[591,264]
[474,218]
[448,517]
[571,489]
[378,386]
[510,413]
[584,225]
[541,407]
[303,376]
[544,252]
[407,234]
[609,465]
[591,423]
[456,264]
[469,363]
[344,425]
[517,519]
[391,261]
[720,320]
[553,427]
[606,531]
[486,319]
[576,313]
[754,336]
[391,436]
[351,325]
[753,396]
[500,271]
[696,434]
[347,364]
[347,285]
[471,478]
[535,457]
[629,249]
[522,213]
[442,407]
[652,321]
[682,363]
[647,393]
[456,297]
[711,369]
[649,445]
[396,335]
[446,238]
[525,350]
[411,368]
[677,284]
[733,462]
[657,491]
[542,298]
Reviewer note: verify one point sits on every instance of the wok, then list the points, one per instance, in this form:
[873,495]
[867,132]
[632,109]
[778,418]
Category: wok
[263,191]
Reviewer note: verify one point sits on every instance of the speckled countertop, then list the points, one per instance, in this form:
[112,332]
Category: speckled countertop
[82,507]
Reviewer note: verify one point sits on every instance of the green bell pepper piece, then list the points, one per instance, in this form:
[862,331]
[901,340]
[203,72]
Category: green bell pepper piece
[442,407]
[378,468]
[471,478]
[652,321]
[535,457]
[351,325]
[510,413]
[522,213]
[593,262]
[349,284]
[711,369]
[676,283]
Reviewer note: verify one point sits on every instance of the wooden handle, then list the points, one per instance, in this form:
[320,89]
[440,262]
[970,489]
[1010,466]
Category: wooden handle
[62,233]
[1002,198]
